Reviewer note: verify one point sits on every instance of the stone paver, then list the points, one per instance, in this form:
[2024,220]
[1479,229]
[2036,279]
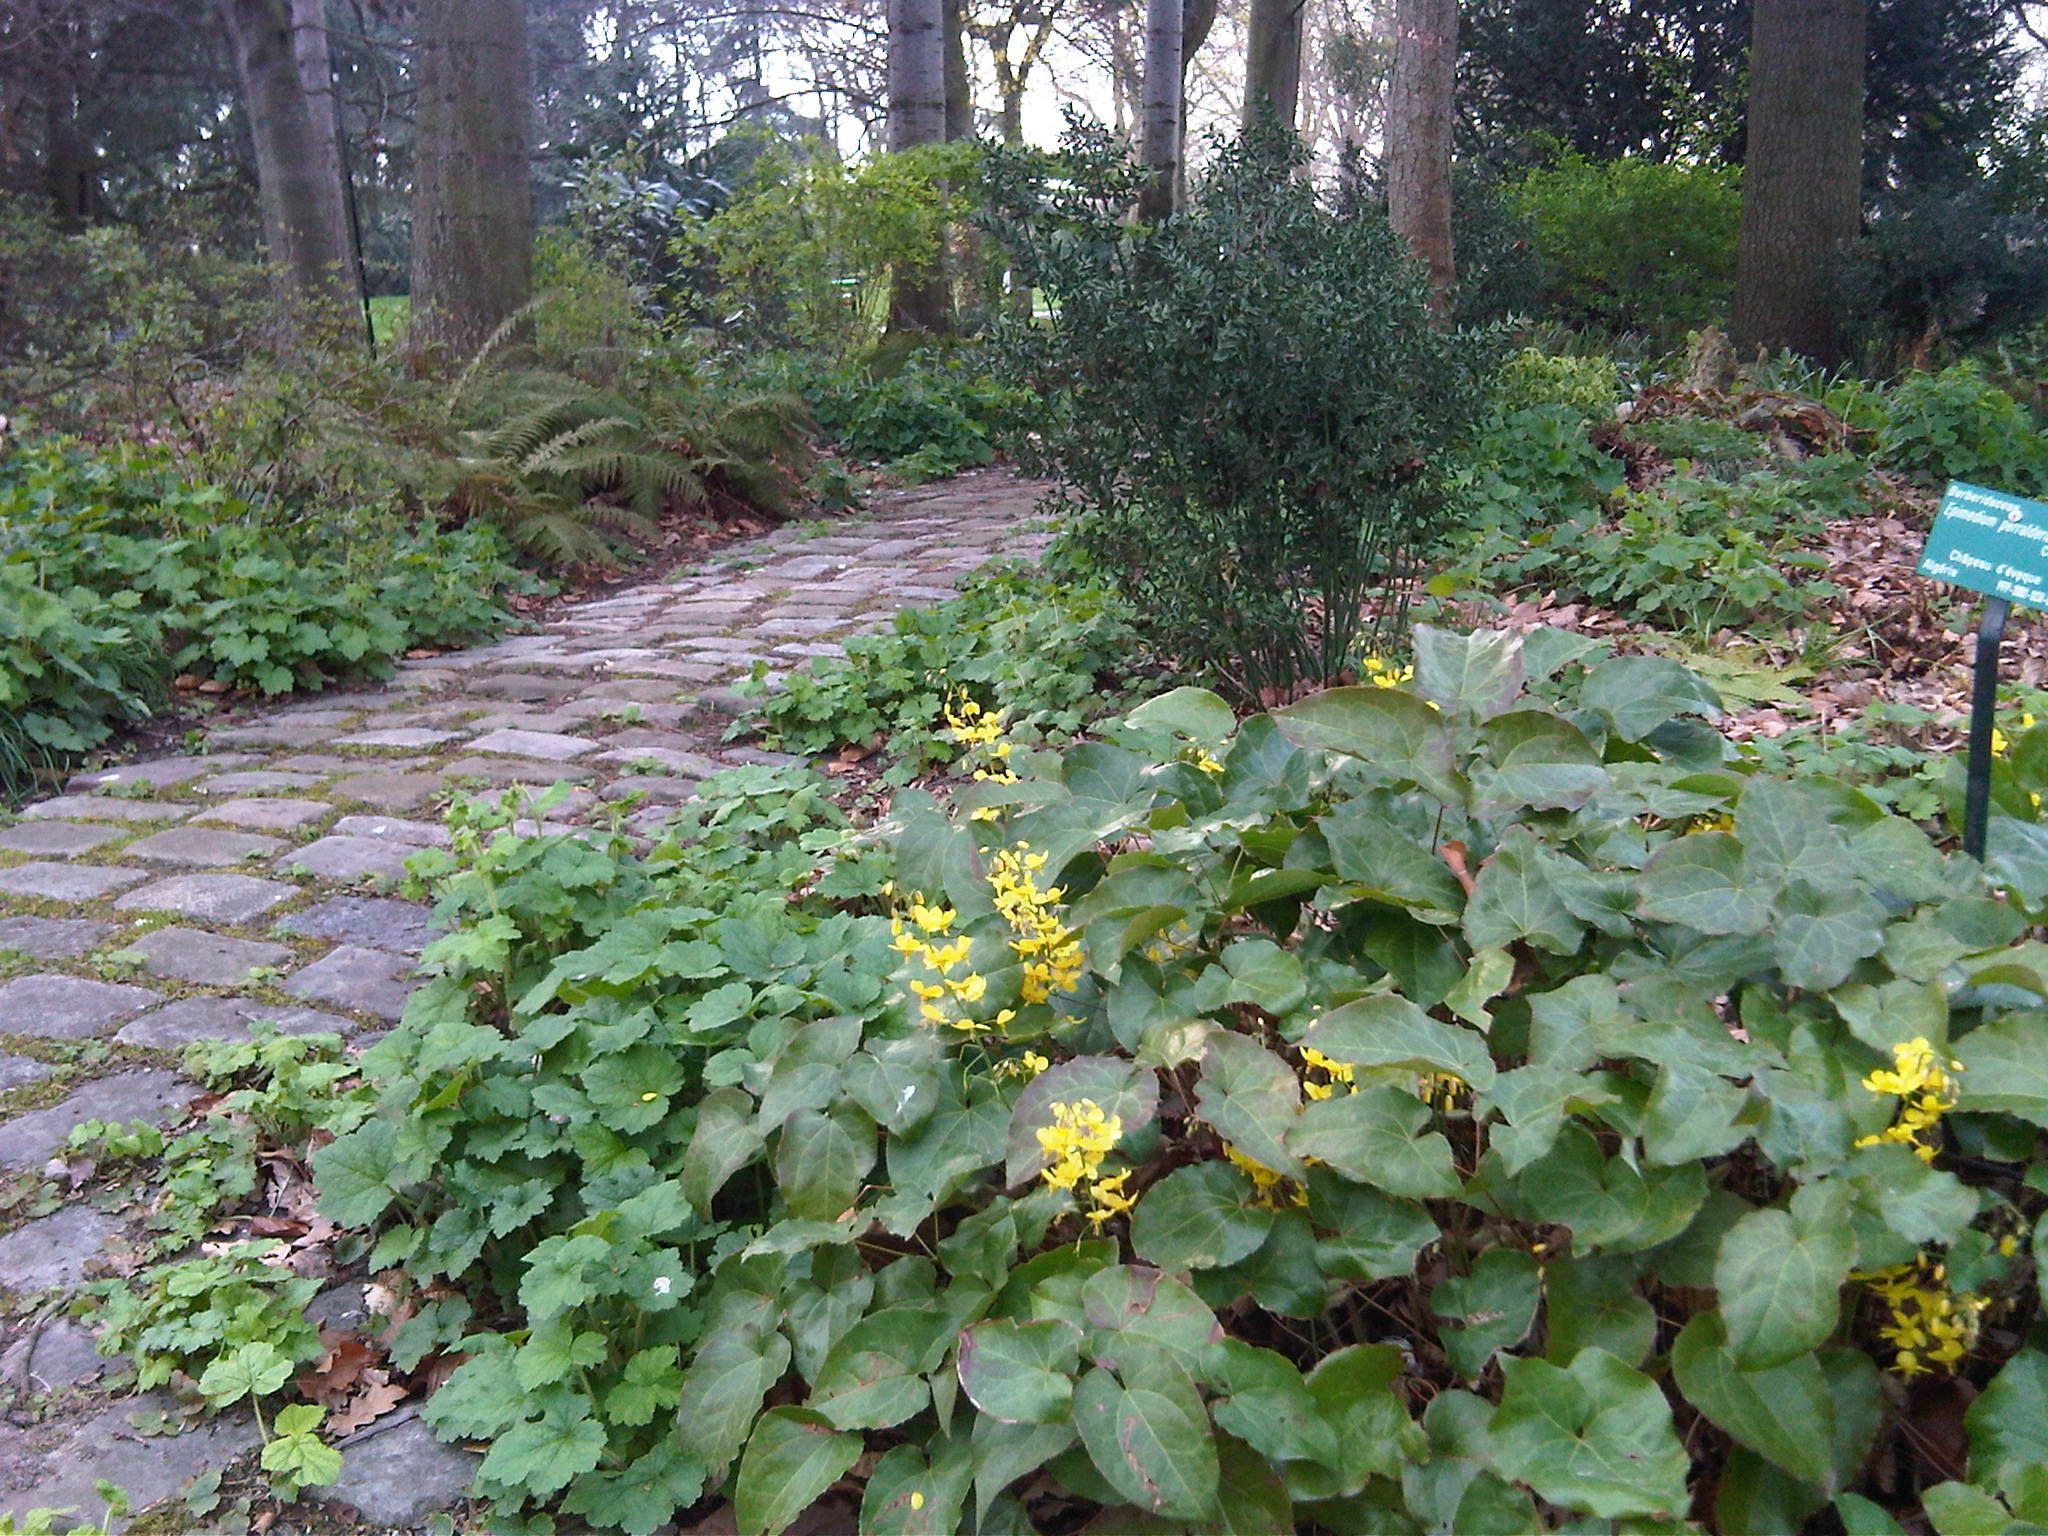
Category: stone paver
[177,1025]
[53,1250]
[212,898]
[202,847]
[371,922]
[159,773]
[347,859]
[18,1071]
[211,959]
[414,737]
[103,808]
[67,882]
[394,829]
[261,814]
[599,693]
[52,938]
[107,1447]
[57,839]
[396,1477]
[390,791]
[369,981]
[256,781]
[546,745]
[68,1007]
[155,1096]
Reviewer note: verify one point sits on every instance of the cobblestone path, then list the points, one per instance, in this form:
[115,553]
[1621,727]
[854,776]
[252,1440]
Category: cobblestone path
[177,899]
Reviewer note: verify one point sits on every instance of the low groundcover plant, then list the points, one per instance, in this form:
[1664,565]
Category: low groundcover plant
[1473,1104]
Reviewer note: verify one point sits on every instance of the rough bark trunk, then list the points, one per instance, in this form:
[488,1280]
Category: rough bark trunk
[1272,61]
[472,206]
[959,83]
[69,174]
[1420,101]
[1802,182]
[278,47]
[1160,112]
[917,115]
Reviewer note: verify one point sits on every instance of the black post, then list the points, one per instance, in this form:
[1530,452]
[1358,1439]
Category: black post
[1983,713]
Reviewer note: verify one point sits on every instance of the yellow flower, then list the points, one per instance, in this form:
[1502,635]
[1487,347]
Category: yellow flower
[1333,1073]
[932,919]
[1207,762]
[1928,1325]
[1925,1092]
[1051,956]
[1076,1142]
[1386,675]
[1270,1187]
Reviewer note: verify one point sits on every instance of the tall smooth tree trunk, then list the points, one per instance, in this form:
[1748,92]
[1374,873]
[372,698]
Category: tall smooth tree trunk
[280,46]
[917,115]
[1162,109]
[472,205]
[1802,182]
[917,73]
[1420,102]
[1272,61]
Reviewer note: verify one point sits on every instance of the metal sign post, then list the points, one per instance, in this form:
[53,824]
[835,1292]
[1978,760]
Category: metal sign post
[1995,543]
[1983,709]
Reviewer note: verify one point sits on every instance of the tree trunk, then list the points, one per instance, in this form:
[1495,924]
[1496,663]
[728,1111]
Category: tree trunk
[278,47]
[1160,112]
[69,173]
[472,204]
[917,73]
[959,83]
[1272,61]
[1802,182]
[917,115]
[1420,100]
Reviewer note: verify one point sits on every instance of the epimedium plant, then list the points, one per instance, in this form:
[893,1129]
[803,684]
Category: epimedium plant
[1049,655]
[1483,1104]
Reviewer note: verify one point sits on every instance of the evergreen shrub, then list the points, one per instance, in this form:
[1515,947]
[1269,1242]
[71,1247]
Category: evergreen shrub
[1254,408]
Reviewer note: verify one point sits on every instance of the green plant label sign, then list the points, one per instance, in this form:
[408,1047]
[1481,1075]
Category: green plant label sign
[1991,542]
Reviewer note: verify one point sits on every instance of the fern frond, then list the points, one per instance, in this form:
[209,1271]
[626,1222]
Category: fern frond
[487,354]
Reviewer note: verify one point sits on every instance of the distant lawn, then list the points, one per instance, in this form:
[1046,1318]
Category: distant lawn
[388,314]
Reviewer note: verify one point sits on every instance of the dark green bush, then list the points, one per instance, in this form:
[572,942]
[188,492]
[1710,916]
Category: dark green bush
[1254,406]
[1634,244]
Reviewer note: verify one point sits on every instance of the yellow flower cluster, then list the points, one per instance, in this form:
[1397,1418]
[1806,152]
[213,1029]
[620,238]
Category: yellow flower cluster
[1080,1136]
[1270,1187]
[941,993]
[981,733]
[1024,1067]
[1441,1090]
[1051,955]
[1320,1075]
[1206,760]
[1384,674]
[1931,1327]
[1924,1090]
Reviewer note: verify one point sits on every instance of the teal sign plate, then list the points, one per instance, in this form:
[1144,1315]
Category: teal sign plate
[1991,542]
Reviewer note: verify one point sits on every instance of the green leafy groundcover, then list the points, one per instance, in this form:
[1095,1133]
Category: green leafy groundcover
[1486,1107]
[117,572]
